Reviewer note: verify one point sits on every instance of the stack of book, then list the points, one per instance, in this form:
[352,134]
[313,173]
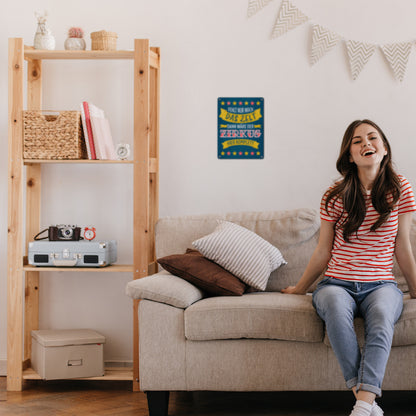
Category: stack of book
[97,132]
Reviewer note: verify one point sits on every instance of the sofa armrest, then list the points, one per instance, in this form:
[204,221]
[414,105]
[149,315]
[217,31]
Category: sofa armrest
[166,288]
[162,347]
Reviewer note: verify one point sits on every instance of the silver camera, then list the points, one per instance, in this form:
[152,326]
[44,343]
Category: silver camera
[64,232]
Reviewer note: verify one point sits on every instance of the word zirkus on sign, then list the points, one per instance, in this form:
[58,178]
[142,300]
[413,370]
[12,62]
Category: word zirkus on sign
[240,133]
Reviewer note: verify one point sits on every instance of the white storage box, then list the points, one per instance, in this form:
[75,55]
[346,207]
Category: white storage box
[60,354]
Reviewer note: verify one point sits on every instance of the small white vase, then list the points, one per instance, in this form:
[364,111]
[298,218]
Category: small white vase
[75,44]
[44,41]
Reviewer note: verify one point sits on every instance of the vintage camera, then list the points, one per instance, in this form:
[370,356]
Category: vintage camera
[64,232]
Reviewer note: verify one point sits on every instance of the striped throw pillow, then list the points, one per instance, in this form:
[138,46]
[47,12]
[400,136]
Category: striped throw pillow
[242,252]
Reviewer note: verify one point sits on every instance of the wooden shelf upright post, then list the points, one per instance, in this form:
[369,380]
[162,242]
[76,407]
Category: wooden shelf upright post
[15,219]
[33,195]
[146,174]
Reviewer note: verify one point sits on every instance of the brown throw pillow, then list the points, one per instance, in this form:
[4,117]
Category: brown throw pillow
[203,273]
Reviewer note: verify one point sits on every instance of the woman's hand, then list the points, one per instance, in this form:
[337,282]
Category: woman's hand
[293,290]
[318,261]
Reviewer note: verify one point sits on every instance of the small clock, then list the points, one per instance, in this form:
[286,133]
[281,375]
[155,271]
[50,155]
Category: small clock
[89,233]
[123,151]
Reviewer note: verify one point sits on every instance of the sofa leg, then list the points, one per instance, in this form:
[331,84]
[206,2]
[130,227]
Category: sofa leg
[158,403]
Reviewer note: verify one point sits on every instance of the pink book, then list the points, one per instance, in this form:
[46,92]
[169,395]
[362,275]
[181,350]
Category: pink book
[108,141]
[96,112]
[84,129]
[102,138]
[89,130]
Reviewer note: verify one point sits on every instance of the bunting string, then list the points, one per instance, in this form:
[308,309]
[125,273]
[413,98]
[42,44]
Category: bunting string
[323,40]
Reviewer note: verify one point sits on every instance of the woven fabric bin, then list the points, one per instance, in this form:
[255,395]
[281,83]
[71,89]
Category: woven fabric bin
[103,41]
[47,136]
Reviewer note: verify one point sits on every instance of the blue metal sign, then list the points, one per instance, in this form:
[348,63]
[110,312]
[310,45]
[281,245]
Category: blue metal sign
[240,128]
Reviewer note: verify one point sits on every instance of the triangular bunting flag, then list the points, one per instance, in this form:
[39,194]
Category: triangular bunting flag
[289,17]
[359,54]
[255,5]
[397,55]
[323,40]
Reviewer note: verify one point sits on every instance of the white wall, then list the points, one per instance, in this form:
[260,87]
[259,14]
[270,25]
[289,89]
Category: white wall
[209,49]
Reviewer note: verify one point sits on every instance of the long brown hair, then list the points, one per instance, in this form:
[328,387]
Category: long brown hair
[384,194]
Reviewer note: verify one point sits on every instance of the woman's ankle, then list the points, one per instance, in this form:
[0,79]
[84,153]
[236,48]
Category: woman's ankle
[366,396]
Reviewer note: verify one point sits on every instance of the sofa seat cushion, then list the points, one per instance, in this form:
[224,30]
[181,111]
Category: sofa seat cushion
[404,331]
[254,315]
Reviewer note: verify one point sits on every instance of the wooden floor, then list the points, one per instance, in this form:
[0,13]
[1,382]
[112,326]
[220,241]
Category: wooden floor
[81,398]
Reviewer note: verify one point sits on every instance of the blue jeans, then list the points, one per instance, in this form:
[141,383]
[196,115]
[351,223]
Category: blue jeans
[380,303]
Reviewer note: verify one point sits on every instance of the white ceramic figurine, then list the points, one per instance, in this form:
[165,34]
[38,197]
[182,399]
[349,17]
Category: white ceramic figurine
[43,37]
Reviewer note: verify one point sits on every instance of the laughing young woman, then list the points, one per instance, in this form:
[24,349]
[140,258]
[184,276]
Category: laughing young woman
[365,220]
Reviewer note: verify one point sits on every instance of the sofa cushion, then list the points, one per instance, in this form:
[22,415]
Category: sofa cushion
[404,331]
[242,252]
[203,273]
[163,287]
[255,315]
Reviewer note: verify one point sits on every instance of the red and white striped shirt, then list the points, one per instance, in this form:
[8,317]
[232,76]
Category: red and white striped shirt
[369,254]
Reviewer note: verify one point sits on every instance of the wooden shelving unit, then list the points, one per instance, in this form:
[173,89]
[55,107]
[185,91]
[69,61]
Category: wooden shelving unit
[23,280]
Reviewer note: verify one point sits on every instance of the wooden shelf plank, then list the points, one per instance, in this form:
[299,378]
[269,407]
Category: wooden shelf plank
[85,161]
[64,54]
[111,373]
[153,162]
[112,269]
[37,54]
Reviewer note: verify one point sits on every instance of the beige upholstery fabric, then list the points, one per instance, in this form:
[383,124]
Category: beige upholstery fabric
[165,288]
[162,356]
[404,331]
[255,315]
[401,369]
[258,365]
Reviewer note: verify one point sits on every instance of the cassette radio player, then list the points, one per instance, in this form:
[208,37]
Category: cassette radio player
[72,253]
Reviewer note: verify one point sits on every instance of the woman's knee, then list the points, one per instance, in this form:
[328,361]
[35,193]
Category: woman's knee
[383,306]
[334,301]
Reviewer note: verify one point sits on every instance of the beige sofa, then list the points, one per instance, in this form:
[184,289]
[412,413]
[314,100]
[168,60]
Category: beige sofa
[265,341]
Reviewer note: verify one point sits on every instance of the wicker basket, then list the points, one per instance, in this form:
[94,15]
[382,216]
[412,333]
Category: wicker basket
[53,136]
[103,41]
